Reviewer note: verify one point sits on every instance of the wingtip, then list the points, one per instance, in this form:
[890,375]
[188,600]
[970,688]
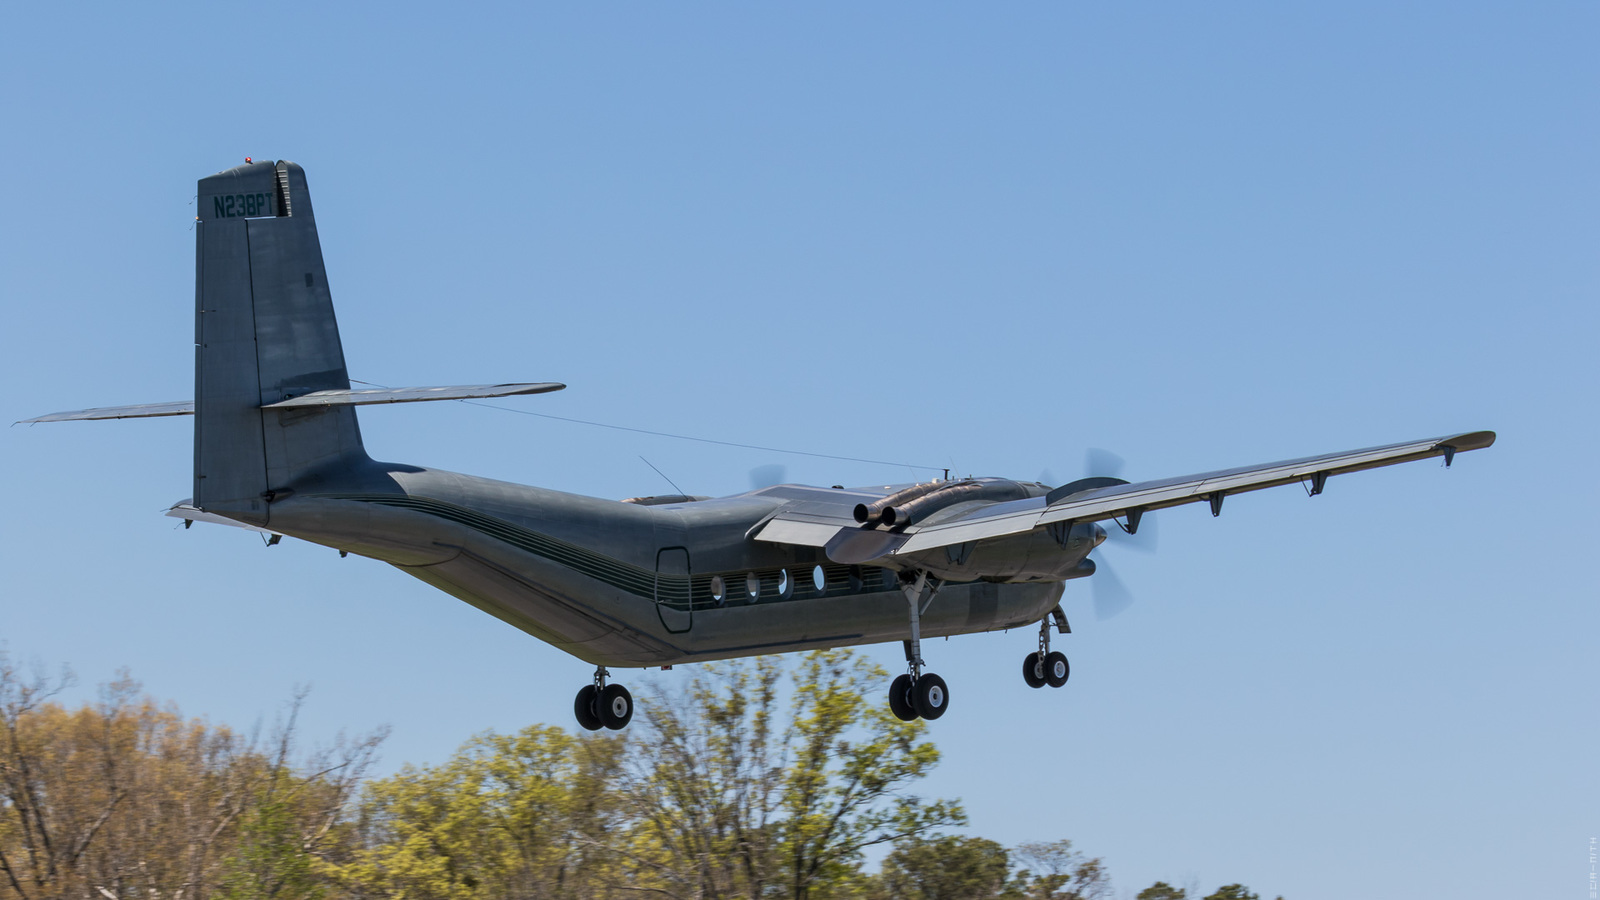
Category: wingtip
[1472,440]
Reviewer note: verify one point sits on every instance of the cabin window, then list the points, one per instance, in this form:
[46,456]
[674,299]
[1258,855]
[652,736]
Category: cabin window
[752,586]
[785,584]
[719,591]
[820,579]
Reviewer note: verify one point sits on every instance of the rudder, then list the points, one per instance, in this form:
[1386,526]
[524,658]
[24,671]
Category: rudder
[264,332]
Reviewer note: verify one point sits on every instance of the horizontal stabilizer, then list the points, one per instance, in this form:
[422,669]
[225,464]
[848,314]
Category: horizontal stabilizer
[188,512]
[373,396]
[315,398]
[136,411]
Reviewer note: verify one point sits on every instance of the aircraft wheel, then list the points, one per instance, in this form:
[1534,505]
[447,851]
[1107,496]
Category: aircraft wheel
[616,707]
[586,709]
[1033,670]
[931,696]
[900,702]
[1056,670]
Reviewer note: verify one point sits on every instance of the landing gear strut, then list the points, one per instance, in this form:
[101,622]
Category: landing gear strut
[918,694]
[1045,666]
[602,705]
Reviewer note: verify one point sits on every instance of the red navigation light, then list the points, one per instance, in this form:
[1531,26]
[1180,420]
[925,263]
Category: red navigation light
[248,159]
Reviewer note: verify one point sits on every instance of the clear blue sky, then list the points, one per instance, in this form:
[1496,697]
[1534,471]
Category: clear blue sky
[1199,234]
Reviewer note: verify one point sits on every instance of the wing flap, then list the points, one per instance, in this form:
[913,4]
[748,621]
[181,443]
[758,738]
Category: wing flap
[1110,502]
[779,530]
[374,396]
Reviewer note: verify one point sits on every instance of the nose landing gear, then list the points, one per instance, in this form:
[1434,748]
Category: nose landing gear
[1045,666]
[602,705]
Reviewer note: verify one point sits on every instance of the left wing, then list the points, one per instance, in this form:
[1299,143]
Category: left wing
[1098,504]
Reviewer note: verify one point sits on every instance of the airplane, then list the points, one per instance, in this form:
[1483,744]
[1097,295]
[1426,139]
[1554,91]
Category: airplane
[641,582]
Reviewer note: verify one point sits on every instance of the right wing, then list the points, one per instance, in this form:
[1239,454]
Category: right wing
[1099,504]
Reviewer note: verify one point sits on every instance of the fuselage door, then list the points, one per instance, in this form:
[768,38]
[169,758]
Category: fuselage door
[673,601]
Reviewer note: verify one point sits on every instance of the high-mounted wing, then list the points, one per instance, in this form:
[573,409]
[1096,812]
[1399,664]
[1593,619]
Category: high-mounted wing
[136,411]
[363,397]
[813,516]
[1098,504]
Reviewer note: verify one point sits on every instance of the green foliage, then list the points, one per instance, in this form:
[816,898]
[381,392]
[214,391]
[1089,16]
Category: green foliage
[1233,892]
[508,815]
[272,860]
[1055,871]
[700,793]
[727,787]
[729,794]
[851,758]
[947,867]
[723,793]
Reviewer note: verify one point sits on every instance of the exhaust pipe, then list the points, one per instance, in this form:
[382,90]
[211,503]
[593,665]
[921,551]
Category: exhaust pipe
[874,512]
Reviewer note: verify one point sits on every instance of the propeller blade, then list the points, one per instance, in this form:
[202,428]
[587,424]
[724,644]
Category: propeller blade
[1098,461]
[1111,596]
[767,476]
[1144,540]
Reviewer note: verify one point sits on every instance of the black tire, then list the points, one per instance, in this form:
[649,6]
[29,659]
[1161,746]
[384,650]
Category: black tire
[586,709]
[616,707]
[1033,670]
[931,696]
[900,702]
[1056,670]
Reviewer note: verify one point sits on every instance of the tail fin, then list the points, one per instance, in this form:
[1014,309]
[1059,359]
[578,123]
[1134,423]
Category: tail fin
[264,332]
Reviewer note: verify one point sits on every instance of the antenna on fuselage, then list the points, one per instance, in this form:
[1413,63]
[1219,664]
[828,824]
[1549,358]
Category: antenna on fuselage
[663,475]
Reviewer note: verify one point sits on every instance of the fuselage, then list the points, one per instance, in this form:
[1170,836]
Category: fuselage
[625,584]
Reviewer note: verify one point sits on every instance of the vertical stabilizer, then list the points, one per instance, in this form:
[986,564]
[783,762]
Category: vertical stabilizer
[264,332]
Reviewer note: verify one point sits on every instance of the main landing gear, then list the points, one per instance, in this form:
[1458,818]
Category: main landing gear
[602,705]
[1045,666]
[918,694]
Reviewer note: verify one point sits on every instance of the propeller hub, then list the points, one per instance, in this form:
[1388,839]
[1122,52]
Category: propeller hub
[1098,534]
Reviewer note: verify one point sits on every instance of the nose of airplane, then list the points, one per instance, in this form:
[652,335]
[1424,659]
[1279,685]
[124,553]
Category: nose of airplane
[1099,534]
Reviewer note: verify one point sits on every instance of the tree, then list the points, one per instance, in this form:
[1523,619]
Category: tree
[1233,892]
[1057,872]
[948,867]
[294,816]
[508,815]
[851,760]
[1161,891]
[123,799]
[701,789]
[724,802]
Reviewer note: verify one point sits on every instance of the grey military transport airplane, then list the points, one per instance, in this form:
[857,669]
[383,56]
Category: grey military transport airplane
[641,582]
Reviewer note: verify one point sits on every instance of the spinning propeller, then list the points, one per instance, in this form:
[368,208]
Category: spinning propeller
[1111,596]
[767,476]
